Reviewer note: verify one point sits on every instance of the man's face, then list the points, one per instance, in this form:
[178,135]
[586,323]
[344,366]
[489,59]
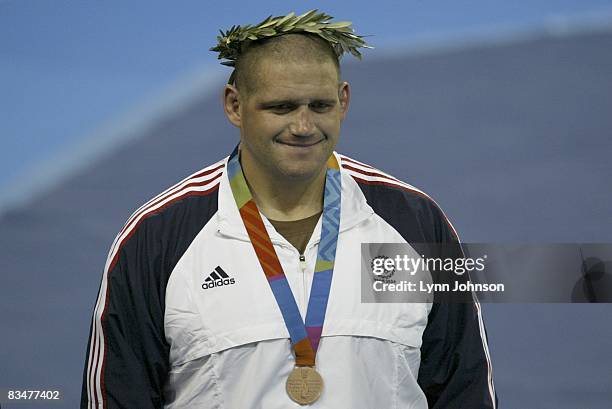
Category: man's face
[290,118]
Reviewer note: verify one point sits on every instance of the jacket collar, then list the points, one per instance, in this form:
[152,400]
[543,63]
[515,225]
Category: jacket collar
[353,210]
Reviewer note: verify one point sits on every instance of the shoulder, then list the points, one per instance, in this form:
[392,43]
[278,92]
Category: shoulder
[177,213]
[410,210]
[194,194]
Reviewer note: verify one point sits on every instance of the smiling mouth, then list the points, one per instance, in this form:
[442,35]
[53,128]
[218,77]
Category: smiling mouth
[300,145]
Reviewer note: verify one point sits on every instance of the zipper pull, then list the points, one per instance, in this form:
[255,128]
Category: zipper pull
[303,263]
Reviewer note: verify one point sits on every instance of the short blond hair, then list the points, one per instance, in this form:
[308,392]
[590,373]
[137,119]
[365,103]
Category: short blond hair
[294,47]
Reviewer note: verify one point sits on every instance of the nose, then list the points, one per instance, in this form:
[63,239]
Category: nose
[303,122]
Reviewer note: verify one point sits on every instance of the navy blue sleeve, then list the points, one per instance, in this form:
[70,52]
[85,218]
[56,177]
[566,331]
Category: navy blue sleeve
[127,361]
[127,354]
[455,371]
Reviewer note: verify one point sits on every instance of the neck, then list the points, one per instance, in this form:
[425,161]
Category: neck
[286,200]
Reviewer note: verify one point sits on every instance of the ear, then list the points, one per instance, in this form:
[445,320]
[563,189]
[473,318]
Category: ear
[231,104]
[344,95]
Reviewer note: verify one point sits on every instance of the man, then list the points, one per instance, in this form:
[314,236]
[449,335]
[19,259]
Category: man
[239,286]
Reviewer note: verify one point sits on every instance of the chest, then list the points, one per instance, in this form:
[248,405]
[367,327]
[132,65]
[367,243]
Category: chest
[218,297]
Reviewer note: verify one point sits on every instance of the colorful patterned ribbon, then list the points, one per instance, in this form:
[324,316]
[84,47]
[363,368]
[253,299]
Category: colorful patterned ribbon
[304,337]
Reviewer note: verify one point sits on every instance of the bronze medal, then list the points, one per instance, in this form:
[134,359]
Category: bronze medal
[304,385]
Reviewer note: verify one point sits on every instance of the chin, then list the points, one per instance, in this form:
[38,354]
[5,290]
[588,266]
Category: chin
[299,173]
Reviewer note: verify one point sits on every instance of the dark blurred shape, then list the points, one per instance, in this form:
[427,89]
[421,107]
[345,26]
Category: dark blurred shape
[596,284]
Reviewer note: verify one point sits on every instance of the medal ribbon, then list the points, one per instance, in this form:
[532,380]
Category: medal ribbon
[305,337]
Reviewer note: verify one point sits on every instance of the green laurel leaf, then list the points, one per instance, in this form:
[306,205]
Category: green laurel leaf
[339,34]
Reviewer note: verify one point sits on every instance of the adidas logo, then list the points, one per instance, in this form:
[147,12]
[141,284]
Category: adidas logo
[217,278]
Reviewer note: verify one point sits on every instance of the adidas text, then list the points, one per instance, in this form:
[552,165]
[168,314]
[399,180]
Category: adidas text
[218,283]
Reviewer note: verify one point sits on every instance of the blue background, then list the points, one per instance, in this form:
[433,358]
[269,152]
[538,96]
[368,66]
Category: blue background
[499,110]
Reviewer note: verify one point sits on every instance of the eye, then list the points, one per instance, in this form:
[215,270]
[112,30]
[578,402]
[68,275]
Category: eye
[321,106]
[281,108]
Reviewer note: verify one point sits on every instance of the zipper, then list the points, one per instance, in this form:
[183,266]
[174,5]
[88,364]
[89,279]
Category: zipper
[303,263]
[304,282]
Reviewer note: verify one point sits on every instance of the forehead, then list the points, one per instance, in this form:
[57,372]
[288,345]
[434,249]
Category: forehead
[275,78]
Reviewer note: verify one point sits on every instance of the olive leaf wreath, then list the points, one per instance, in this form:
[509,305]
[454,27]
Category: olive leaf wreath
[340,35]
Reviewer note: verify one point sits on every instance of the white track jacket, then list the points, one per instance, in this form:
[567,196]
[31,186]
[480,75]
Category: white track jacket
[166,334]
